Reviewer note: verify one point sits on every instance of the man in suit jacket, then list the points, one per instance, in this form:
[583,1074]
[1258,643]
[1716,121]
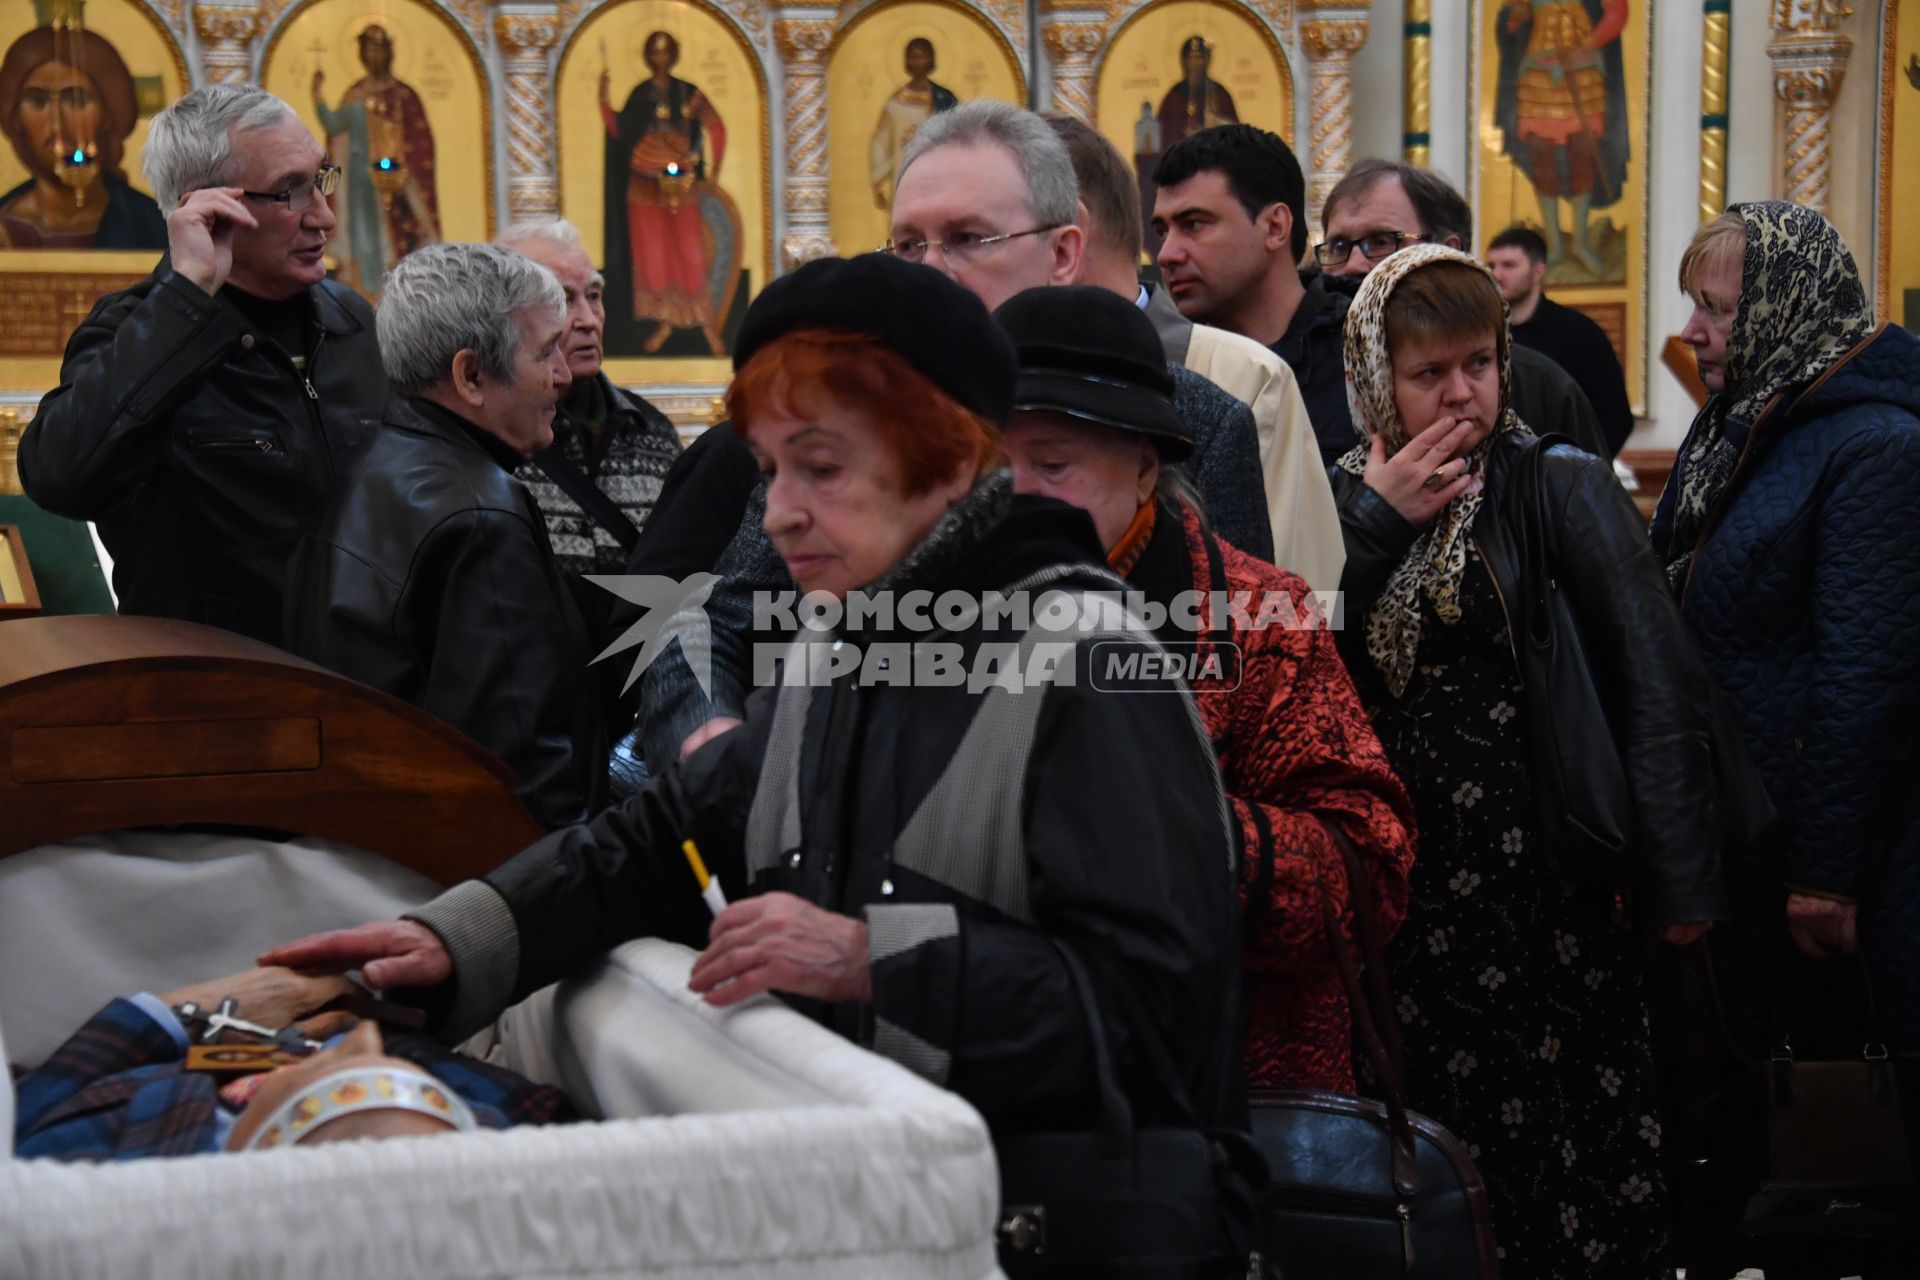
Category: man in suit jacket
[119,1088]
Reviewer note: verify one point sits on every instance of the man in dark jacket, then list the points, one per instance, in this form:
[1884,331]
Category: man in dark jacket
[598,481]
[1518,259]
[1233,209]
[206,414]
[431,576]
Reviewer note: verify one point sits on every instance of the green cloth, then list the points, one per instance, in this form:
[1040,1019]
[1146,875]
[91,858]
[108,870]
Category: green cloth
[60,552]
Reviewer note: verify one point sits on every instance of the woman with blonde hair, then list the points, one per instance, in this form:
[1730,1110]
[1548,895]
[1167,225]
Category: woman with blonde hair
[1523,1011]
[1788,534]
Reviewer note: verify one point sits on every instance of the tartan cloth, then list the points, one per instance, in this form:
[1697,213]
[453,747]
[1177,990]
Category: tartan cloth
[118,1090]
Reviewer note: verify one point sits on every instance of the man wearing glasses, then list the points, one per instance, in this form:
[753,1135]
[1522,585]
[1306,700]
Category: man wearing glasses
[1231,210]
[206,413]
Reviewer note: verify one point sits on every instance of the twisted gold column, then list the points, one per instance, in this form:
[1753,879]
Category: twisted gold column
[1331,44]
[803,46]
[1071,45]
[526,34]
[1416,137]
[227,33]
[1713,109]
[1807,71]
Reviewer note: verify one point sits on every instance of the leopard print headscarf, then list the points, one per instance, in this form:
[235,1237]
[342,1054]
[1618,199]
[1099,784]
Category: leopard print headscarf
[1436,564]
[1802,308]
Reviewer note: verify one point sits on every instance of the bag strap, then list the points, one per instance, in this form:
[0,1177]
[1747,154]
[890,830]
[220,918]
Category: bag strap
[588,496]
[1371,1007]
[1116,1114]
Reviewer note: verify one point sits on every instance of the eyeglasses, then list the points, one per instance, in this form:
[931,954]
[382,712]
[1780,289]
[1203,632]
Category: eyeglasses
[1373,247]
[300,197]
[964,247]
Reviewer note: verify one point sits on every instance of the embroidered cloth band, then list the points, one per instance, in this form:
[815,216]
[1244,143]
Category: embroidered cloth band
[360,1089]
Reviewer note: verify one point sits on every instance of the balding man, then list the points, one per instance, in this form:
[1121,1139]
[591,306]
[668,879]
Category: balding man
[597,482]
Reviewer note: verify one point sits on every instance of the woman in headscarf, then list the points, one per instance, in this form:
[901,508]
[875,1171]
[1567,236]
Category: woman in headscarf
[66,92]
[1523,1009]
[1093,425]
[1789,534]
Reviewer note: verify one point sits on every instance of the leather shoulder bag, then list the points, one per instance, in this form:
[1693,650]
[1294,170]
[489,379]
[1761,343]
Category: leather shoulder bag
[1177,1202]
[1364,1189]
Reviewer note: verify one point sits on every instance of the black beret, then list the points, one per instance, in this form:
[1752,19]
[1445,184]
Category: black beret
[914,311]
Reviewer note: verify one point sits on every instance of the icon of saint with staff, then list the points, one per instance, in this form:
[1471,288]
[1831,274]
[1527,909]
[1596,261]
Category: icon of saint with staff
[673,236]
[1561,104]
[378,134]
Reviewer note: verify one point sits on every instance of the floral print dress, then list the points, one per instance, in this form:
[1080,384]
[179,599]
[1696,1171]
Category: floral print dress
[1520,1001]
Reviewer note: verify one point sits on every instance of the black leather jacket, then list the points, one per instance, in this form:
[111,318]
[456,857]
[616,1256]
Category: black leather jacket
[197,448]
[431,578]
[1643,659]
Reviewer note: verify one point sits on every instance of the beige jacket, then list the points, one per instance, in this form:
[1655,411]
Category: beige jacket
[1306,528]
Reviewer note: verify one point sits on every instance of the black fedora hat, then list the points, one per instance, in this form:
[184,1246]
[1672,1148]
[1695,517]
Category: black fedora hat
[1091,354]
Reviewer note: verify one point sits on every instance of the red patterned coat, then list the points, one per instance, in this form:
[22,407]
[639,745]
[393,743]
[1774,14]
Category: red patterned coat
[1295,750]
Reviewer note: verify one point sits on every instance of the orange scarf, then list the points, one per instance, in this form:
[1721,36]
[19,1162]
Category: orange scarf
[1126,552]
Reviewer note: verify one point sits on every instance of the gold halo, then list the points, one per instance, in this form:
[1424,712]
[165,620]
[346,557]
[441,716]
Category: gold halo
[350,37]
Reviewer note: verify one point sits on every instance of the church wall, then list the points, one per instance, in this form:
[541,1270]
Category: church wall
[518,40]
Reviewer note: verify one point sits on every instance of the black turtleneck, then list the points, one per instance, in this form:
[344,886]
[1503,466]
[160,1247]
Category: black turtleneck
[287,322]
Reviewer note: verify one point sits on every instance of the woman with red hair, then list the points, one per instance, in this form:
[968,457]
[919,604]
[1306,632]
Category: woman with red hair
[69,103]
[932,811]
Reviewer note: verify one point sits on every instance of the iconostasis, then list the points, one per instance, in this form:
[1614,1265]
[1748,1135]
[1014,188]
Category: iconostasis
[704,146]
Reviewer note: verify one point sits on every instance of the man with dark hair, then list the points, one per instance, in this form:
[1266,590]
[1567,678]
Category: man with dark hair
[1379,208]
[1306,529]
[1231,211]
[1518,259]
[1384,206]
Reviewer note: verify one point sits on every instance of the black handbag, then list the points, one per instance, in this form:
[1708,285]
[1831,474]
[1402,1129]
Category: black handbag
[1178,1202]
[1580,784]
[1836,1158]
[1366,1190]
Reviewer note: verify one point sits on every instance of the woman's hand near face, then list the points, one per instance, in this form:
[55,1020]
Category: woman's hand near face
[1421,479]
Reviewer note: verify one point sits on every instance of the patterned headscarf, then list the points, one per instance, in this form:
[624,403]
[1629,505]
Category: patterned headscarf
[1436,564]
[1802,308]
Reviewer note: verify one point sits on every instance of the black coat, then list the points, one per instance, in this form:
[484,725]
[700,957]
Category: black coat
[198,449]
[431,579]
[1128,858]
[1658,696]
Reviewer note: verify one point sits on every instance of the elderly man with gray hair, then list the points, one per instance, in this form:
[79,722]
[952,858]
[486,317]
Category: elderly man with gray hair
[597,482]
[204,415]
[431,576]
